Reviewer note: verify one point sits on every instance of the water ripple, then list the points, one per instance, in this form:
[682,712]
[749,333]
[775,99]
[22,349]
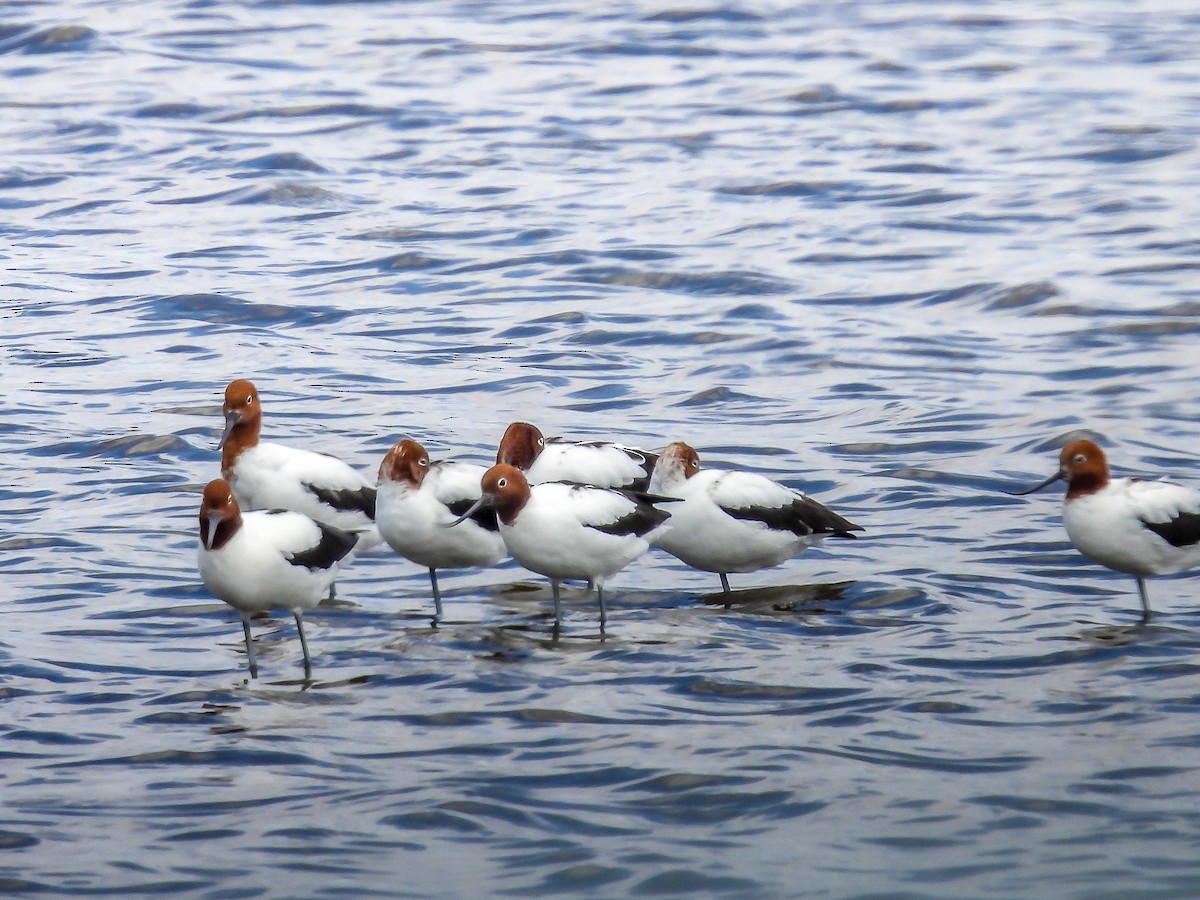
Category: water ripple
[894,255]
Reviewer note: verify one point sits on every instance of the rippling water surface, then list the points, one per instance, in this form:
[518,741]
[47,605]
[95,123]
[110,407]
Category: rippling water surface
[892,253]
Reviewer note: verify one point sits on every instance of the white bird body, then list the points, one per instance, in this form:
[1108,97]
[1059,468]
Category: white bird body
[559,532]
[1111,526]
[419,499]
[414,520]
[599,463]
[262,560]
[565,530]
[736,521]
[253,572]
[1129,525]
[602,464]
[705,536]
[266,475]
[274,476]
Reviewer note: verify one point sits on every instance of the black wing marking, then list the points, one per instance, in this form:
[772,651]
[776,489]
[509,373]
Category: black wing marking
[332,547]
[360,499]
[804,516]
[1181,531]
[642,518]
[649,497]
[646,461]
[642,458]
[485,518]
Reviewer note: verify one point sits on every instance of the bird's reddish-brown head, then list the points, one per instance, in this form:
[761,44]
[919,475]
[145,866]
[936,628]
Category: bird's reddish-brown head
[406,462]
[243,422]
[1084,466]
[521,445]
[220,515]
[506,491]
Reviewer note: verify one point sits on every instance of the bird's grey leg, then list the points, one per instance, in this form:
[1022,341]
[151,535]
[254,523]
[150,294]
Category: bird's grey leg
[303,644]
[557,606]
[1146,611]
[437,596]
[249,645]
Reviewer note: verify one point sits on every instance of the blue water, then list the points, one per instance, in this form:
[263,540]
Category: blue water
[892,253]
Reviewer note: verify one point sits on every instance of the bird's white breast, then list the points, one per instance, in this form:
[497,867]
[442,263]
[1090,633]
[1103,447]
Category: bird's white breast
[552,534]
[251,572]
[414,522]
[1107,526]
[706,537]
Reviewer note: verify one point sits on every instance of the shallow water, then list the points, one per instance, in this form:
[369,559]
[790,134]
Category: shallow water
[892,253]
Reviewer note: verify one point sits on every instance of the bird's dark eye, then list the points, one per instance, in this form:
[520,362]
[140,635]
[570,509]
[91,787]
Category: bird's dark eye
[503,482]
[541,442]
[249,400]
[422,461]
[1080,458]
